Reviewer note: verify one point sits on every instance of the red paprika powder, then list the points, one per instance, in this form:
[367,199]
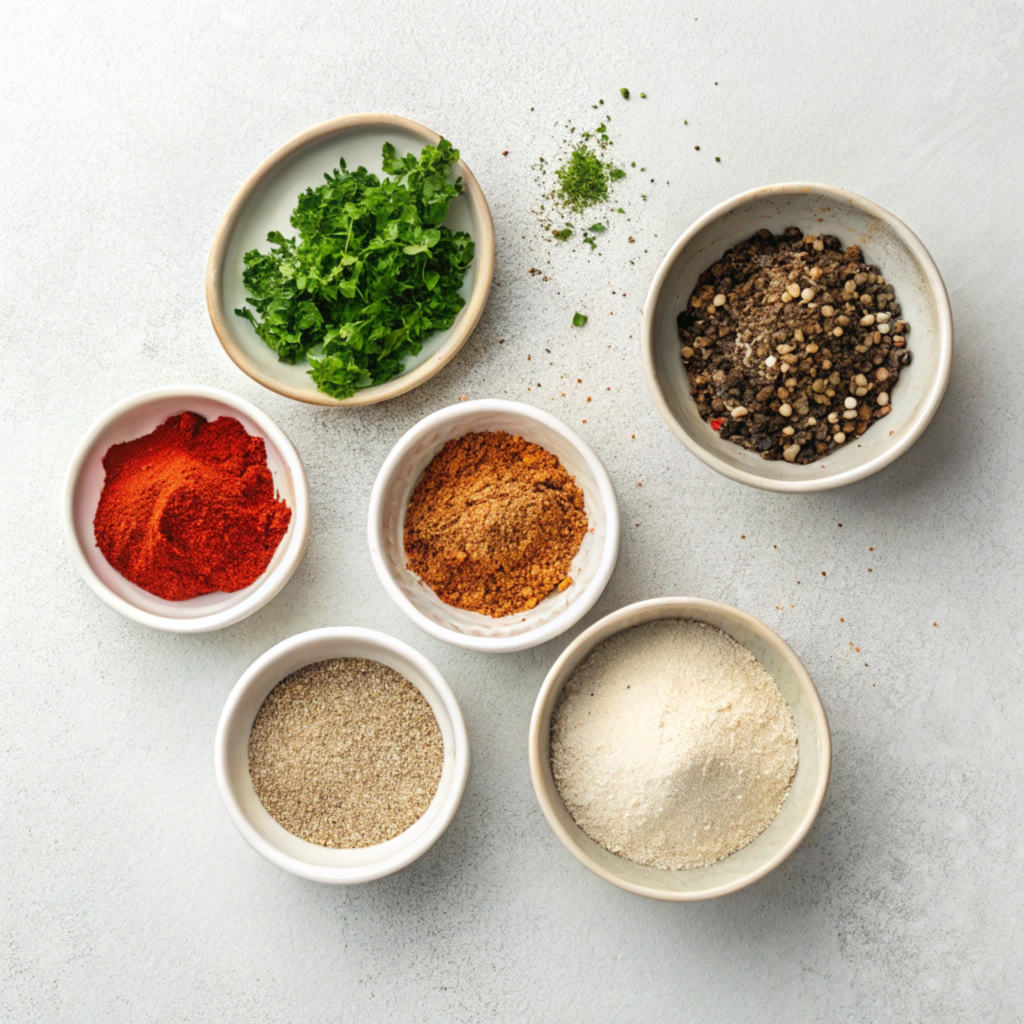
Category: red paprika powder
[190,508]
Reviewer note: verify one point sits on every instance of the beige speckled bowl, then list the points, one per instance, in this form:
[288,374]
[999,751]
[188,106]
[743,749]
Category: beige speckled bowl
[888,243]
[781,837]
[265,202]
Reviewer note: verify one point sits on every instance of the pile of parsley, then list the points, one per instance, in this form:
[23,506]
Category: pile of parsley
[373,272]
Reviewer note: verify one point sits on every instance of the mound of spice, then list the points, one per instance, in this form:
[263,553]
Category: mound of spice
[345,753]
[190,508]
[793,346]
[494,524]
[672,746]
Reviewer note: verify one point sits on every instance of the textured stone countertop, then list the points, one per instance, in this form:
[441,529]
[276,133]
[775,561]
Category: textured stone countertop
[126,893]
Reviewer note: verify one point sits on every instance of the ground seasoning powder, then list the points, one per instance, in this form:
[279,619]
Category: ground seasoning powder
[345,753]
[494,524]
[190,508]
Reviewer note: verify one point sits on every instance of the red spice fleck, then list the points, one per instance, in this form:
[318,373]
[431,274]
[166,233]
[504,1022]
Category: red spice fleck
[716,424]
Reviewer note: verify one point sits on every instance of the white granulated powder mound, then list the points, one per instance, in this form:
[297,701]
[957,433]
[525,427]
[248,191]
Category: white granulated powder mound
[672,746]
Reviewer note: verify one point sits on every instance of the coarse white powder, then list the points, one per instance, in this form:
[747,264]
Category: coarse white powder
[672,746]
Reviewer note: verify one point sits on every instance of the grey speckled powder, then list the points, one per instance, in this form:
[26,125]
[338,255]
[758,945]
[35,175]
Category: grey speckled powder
[672,746]
[345,753]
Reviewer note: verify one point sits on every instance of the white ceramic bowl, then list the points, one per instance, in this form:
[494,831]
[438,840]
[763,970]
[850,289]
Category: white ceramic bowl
[265,203]
[258,828]
[886,242]
[83,482]
[781,837]
[592,567]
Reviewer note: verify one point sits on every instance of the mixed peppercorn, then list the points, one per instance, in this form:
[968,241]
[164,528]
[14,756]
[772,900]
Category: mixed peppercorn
[792,345]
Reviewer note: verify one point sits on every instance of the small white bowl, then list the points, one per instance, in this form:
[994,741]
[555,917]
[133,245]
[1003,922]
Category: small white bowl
[886,242]
[265,203]
[83,483]
[592,567]
[262,832]
[781,837]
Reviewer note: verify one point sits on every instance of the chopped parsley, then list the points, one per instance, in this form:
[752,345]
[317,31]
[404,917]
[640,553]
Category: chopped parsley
[583,179]
[373,274]
[579,320]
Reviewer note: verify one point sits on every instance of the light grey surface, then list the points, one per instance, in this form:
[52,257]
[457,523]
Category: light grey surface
[128,895]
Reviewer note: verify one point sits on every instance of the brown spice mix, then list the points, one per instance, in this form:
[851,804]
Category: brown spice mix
[345,753]
[494,524]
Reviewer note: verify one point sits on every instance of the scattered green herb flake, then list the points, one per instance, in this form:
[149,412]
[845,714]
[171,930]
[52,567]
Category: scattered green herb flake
[718,159]
[590,242]
[597,227]
[583,179]
[564,235]
[615,173]
[601,128]
[579,320]
[643,95]
[620,210]
[644,198]
[625,93]
[372,274]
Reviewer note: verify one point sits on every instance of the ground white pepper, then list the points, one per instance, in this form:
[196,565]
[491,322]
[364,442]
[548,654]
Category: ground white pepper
[345,753]
[672,746]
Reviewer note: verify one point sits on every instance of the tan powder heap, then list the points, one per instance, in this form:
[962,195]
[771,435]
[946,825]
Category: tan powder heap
[494,524]
[672,746]
[345,753]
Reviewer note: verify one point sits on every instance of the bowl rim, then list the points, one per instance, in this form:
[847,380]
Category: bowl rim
[585,642]
[470,313]
[269,585]
[536,635]
[915,427]
[360,873]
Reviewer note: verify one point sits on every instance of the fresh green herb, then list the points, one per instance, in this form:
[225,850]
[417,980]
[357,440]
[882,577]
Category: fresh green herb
[373,274]
[620,210]
[564,235]
[643,95]
[625,93]
[597,227]
[590,242]
[579,320]
[633,164]
[718,159]
[614,173]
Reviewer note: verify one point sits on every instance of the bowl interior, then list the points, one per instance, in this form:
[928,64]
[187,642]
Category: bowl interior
[814,213]
[136,422]
[269,208]
[812,753]
[407,473]
[235,743]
